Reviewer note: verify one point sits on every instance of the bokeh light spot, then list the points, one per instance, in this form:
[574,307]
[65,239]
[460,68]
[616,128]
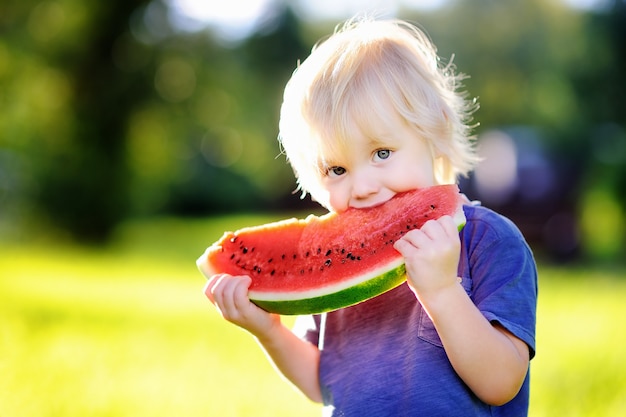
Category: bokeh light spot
[46,21]
[602,224]
[496,176]
[222,149]
[175,80]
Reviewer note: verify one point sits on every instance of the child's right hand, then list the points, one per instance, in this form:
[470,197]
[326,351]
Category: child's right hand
[229,294]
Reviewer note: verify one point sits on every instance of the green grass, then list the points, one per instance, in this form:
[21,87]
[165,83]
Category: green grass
[580,367]
[127,332]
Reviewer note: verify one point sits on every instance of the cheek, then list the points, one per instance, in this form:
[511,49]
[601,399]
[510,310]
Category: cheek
[337,203]
[338,198]
[417,176]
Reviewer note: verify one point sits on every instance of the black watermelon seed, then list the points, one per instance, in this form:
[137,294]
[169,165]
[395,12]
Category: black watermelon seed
[245,250]
[328,262]
[328,252]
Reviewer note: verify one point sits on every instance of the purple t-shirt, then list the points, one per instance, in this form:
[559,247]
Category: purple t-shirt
[383,357]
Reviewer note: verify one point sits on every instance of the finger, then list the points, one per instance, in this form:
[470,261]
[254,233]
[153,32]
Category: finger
[413,241]
[416,238]
[449,225]
[240,294]
[217,289]
[207,292]
[235,296]
[403,246]
[224,296]
[209,287]
[434,229]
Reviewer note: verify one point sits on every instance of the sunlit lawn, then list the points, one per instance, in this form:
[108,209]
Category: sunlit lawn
[127,332]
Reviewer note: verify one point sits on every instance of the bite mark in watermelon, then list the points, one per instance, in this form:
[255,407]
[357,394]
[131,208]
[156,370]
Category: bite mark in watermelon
[323,263]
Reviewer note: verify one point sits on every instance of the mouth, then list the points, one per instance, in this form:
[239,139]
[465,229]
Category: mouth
[371,204]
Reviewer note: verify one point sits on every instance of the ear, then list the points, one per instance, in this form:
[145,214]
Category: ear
[444,174]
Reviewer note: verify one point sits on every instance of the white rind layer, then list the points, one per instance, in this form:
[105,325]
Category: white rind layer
[328,289]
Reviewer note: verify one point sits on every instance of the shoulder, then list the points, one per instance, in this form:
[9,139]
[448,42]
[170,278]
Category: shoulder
[488,234]
[481,220]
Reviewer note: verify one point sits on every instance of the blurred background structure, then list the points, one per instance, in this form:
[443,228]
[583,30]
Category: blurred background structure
[131,108]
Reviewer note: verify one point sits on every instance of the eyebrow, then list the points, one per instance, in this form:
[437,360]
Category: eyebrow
[324,166]
[381,141]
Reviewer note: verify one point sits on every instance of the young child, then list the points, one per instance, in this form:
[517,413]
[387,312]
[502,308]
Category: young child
[369,114]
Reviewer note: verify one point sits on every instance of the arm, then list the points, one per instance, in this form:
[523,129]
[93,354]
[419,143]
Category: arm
[489,359]
[296,359]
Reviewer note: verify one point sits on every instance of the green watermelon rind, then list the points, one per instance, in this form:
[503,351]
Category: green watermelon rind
[340,299]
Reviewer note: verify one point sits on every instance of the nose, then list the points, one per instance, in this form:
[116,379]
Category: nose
[364,185]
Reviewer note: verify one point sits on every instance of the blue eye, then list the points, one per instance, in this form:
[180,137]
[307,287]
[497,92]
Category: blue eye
[383,153]
[337,171]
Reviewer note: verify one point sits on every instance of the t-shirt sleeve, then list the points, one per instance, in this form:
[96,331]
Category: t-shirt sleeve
[504,276]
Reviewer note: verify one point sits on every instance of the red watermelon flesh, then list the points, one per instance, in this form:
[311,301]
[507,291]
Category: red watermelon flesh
[317,264]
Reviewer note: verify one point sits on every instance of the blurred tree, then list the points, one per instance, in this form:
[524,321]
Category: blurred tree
[601,89]
[231,120]
[72,105]
[111,111]
[85,188]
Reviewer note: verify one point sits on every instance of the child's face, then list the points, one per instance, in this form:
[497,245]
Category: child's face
[374,170]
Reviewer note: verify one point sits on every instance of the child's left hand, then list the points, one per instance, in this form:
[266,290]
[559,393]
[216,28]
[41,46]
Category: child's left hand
[431,255]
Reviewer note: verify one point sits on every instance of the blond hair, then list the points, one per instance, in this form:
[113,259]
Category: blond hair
[353,80]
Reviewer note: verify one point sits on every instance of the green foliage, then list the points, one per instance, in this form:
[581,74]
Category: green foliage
[110,113]
[126,331]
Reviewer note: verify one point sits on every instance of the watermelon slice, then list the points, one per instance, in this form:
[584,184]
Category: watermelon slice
[325,263]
